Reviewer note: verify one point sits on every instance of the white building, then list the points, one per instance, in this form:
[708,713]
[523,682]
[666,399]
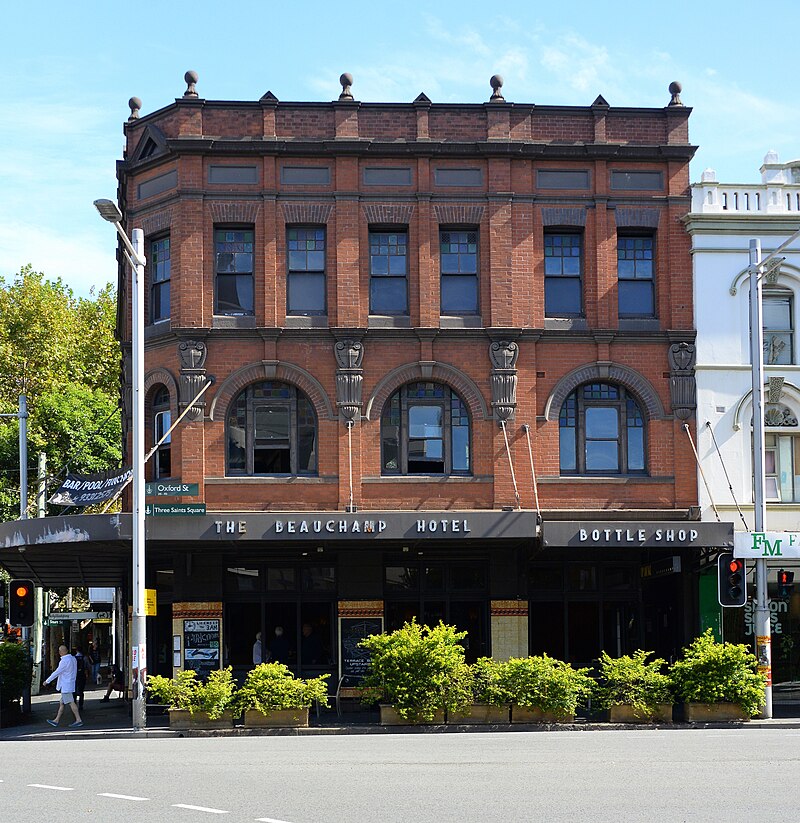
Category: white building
[723,220]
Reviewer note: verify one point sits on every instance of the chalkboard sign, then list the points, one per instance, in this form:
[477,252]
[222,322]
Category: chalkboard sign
[354,659]
[201,646]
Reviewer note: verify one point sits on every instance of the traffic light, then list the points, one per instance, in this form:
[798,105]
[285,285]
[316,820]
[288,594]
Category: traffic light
[731,580]
[785,583]
[20,603]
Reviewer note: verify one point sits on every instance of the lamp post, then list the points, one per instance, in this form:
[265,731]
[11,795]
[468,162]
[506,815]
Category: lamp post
[133,250]
[763,631]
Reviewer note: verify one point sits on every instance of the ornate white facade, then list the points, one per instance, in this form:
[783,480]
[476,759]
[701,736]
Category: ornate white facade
[723,220]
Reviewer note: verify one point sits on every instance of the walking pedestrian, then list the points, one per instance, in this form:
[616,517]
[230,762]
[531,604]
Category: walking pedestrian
[64,675]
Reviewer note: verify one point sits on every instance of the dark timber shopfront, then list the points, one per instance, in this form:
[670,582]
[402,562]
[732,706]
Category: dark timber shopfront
[309,582]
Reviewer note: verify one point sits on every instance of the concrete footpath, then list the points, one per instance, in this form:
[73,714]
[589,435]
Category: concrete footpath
[112,719]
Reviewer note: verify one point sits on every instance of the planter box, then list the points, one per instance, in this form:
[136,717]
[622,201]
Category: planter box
[713,713]
[522,714]
[480,714]
[389,717]
[280,718]
[624,713]
[183,719]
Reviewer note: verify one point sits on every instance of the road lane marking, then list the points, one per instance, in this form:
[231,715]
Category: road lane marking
[55,788]
[269,820]
[199,808]
[121,796]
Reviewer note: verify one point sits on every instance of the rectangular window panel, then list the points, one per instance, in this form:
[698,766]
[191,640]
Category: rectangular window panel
[635,449]
[563,269]
[778,337]
[602,455]
[554,179]
[388,272]
[635,298]
[159,266]
[306,293]
[425,421]
[637,180]
[460,449]
[459,272]
[271,423]
[402,577]
[635,276]
[234,271]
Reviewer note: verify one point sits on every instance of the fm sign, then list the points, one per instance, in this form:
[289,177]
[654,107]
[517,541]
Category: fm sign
[763,545]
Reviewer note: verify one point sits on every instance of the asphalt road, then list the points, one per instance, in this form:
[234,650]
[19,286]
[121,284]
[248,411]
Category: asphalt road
[658,775]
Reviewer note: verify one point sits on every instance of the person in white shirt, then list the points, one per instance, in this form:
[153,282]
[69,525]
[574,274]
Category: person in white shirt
[66,672]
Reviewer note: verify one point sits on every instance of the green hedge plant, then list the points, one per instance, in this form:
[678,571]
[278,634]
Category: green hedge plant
[15,673]
[484,680]
[712,672]
[420,670]
[541,682]
[185,691]
[270,687]
[630,680]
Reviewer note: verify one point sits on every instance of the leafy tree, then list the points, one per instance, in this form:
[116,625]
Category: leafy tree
[61,352]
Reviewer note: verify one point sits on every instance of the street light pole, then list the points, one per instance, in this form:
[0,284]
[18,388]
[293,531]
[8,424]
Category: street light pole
[134,252]
[762,615]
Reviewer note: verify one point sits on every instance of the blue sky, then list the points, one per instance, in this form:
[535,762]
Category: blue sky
[68,70]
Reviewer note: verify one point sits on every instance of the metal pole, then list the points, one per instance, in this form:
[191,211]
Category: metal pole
[762,615]
[139,626]
[41,494]
[23,457]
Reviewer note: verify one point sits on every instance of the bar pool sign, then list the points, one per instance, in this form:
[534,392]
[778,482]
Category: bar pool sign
[764,545]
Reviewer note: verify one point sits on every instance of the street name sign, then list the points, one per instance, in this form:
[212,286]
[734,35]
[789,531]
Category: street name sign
[56,616]
[766,545]
[174,509]
[171,488]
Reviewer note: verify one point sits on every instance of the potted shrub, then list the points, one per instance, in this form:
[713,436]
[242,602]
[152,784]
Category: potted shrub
[15,672]
[544,690]
[718,681]
[272,696]
[193,703]
[633,690]
[490,703]
[418,671]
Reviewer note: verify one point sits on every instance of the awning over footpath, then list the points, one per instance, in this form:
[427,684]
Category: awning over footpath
[95,550]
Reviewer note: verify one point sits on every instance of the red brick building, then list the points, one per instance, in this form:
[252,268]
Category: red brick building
[406,307]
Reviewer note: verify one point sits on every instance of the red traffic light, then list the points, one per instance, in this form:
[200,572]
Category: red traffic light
[735,566]
[21,591]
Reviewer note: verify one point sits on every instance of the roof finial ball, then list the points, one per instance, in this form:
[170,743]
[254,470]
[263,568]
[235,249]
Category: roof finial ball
[191,79]
[496,82]
[135,104]
[675,89]
[346,80]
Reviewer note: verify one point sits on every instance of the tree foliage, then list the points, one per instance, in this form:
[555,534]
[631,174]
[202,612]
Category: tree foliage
[60,351]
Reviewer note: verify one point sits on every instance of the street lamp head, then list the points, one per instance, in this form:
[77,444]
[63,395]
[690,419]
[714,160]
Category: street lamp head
[108,210]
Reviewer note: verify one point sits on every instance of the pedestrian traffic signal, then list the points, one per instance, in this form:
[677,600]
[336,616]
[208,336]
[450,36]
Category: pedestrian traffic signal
[785,583]
[731,580]
[20,603]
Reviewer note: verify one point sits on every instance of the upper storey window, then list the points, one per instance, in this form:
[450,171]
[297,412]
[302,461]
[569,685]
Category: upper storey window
[162,420]
[459,264]
[425,430]
[159,266]
[778,322]
[388,272]
[601,431]
[305,288]
[635,276]
[272,429]
[563,274]
[233,250]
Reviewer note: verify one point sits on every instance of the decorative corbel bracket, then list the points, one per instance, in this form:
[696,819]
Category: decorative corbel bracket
[349,355]
[682,386]
[192,355]
[503,356]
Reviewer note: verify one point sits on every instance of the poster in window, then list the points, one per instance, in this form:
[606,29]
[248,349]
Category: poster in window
[354,659]
[201,640]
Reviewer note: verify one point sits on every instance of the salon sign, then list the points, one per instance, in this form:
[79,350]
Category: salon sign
[764,545]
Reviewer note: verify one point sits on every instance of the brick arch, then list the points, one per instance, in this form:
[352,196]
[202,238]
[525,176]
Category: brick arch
[271,370]
[638,386]
[162,377]
[464,386]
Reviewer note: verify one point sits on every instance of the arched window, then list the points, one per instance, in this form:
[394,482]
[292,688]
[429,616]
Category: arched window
[162,420]
[425,430]
[601,431]
[272,429]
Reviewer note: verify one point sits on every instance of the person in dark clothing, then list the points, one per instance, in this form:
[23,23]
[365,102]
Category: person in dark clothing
[279,649]
[310,647]
[80,678]
[117,682]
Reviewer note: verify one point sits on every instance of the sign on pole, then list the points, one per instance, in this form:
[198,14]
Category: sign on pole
[171,488]
[766,545]
[174,509]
